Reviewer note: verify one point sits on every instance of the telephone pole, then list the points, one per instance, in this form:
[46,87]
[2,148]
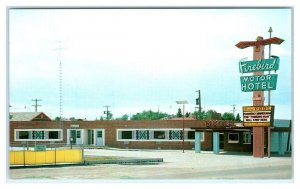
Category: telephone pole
[198,102]
[106,112]
[36,103]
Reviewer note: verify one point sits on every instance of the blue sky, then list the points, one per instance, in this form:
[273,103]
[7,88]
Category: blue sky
[140,59]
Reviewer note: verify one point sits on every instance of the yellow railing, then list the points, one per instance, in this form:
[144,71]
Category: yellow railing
[45,157]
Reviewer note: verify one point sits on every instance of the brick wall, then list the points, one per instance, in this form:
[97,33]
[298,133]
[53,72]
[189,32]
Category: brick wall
[110,133]
[237,147]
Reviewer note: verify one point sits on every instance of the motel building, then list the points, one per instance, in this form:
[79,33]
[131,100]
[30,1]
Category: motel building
[199,135]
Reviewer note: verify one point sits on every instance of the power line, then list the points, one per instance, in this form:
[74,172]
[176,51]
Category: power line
[36,103]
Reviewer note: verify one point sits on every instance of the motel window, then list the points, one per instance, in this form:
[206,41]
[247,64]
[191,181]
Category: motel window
[99,134]
[191,135]
[78,134]
[53,135]
[142,135]
[247,138]
[233,138]
[159,135]
[175,135]
[126,135]
[38,135]
[45,135]
[23,135]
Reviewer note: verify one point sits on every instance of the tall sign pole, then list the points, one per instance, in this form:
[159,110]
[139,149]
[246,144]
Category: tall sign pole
[258,95]
[269,101]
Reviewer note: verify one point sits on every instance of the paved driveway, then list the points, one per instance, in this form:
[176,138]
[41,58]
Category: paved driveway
[176,165]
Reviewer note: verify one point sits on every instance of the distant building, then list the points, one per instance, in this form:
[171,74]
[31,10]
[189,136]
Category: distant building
[28,116]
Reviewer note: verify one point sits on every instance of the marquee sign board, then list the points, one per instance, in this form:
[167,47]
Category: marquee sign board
[258,82]
[258,116]
[259,65]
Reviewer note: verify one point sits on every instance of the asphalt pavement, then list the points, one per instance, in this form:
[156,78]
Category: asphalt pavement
[176,165]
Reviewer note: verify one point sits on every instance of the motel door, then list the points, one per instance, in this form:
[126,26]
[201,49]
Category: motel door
[100,137]
[90,137]
[76,135]
[221,141]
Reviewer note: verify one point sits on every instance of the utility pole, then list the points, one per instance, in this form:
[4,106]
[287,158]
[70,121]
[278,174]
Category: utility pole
[198,102]
[36,103]
[196,111]
[106,112]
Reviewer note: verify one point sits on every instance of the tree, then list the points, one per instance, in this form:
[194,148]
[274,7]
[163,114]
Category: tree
[123,117]
[109,116]
[228,116]
[179,114]
[72,119]
[238,117]
[187,114]
[212,115]
[149,115]
[199,116]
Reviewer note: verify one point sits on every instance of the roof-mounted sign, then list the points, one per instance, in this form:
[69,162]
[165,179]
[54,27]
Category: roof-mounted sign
[259,65]
[258,116]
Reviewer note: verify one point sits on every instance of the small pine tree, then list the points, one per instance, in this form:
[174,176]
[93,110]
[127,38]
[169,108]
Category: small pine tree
[179,114]
[238,117]
[187,114]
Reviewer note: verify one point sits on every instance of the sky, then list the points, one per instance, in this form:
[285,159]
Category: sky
[141,59]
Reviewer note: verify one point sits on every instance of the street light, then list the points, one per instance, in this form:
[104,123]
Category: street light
[183,102]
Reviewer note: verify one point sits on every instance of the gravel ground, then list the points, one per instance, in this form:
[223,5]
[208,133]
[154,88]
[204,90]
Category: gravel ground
[176,165]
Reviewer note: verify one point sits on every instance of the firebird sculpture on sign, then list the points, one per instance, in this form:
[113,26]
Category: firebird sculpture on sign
[260,41]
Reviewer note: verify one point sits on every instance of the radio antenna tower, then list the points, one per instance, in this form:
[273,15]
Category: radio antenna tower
[233,109]
[59,49]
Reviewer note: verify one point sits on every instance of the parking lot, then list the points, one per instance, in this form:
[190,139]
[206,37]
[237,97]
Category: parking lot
[176,165]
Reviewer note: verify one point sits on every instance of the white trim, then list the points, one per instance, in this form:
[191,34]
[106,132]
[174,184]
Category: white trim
[18,130]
